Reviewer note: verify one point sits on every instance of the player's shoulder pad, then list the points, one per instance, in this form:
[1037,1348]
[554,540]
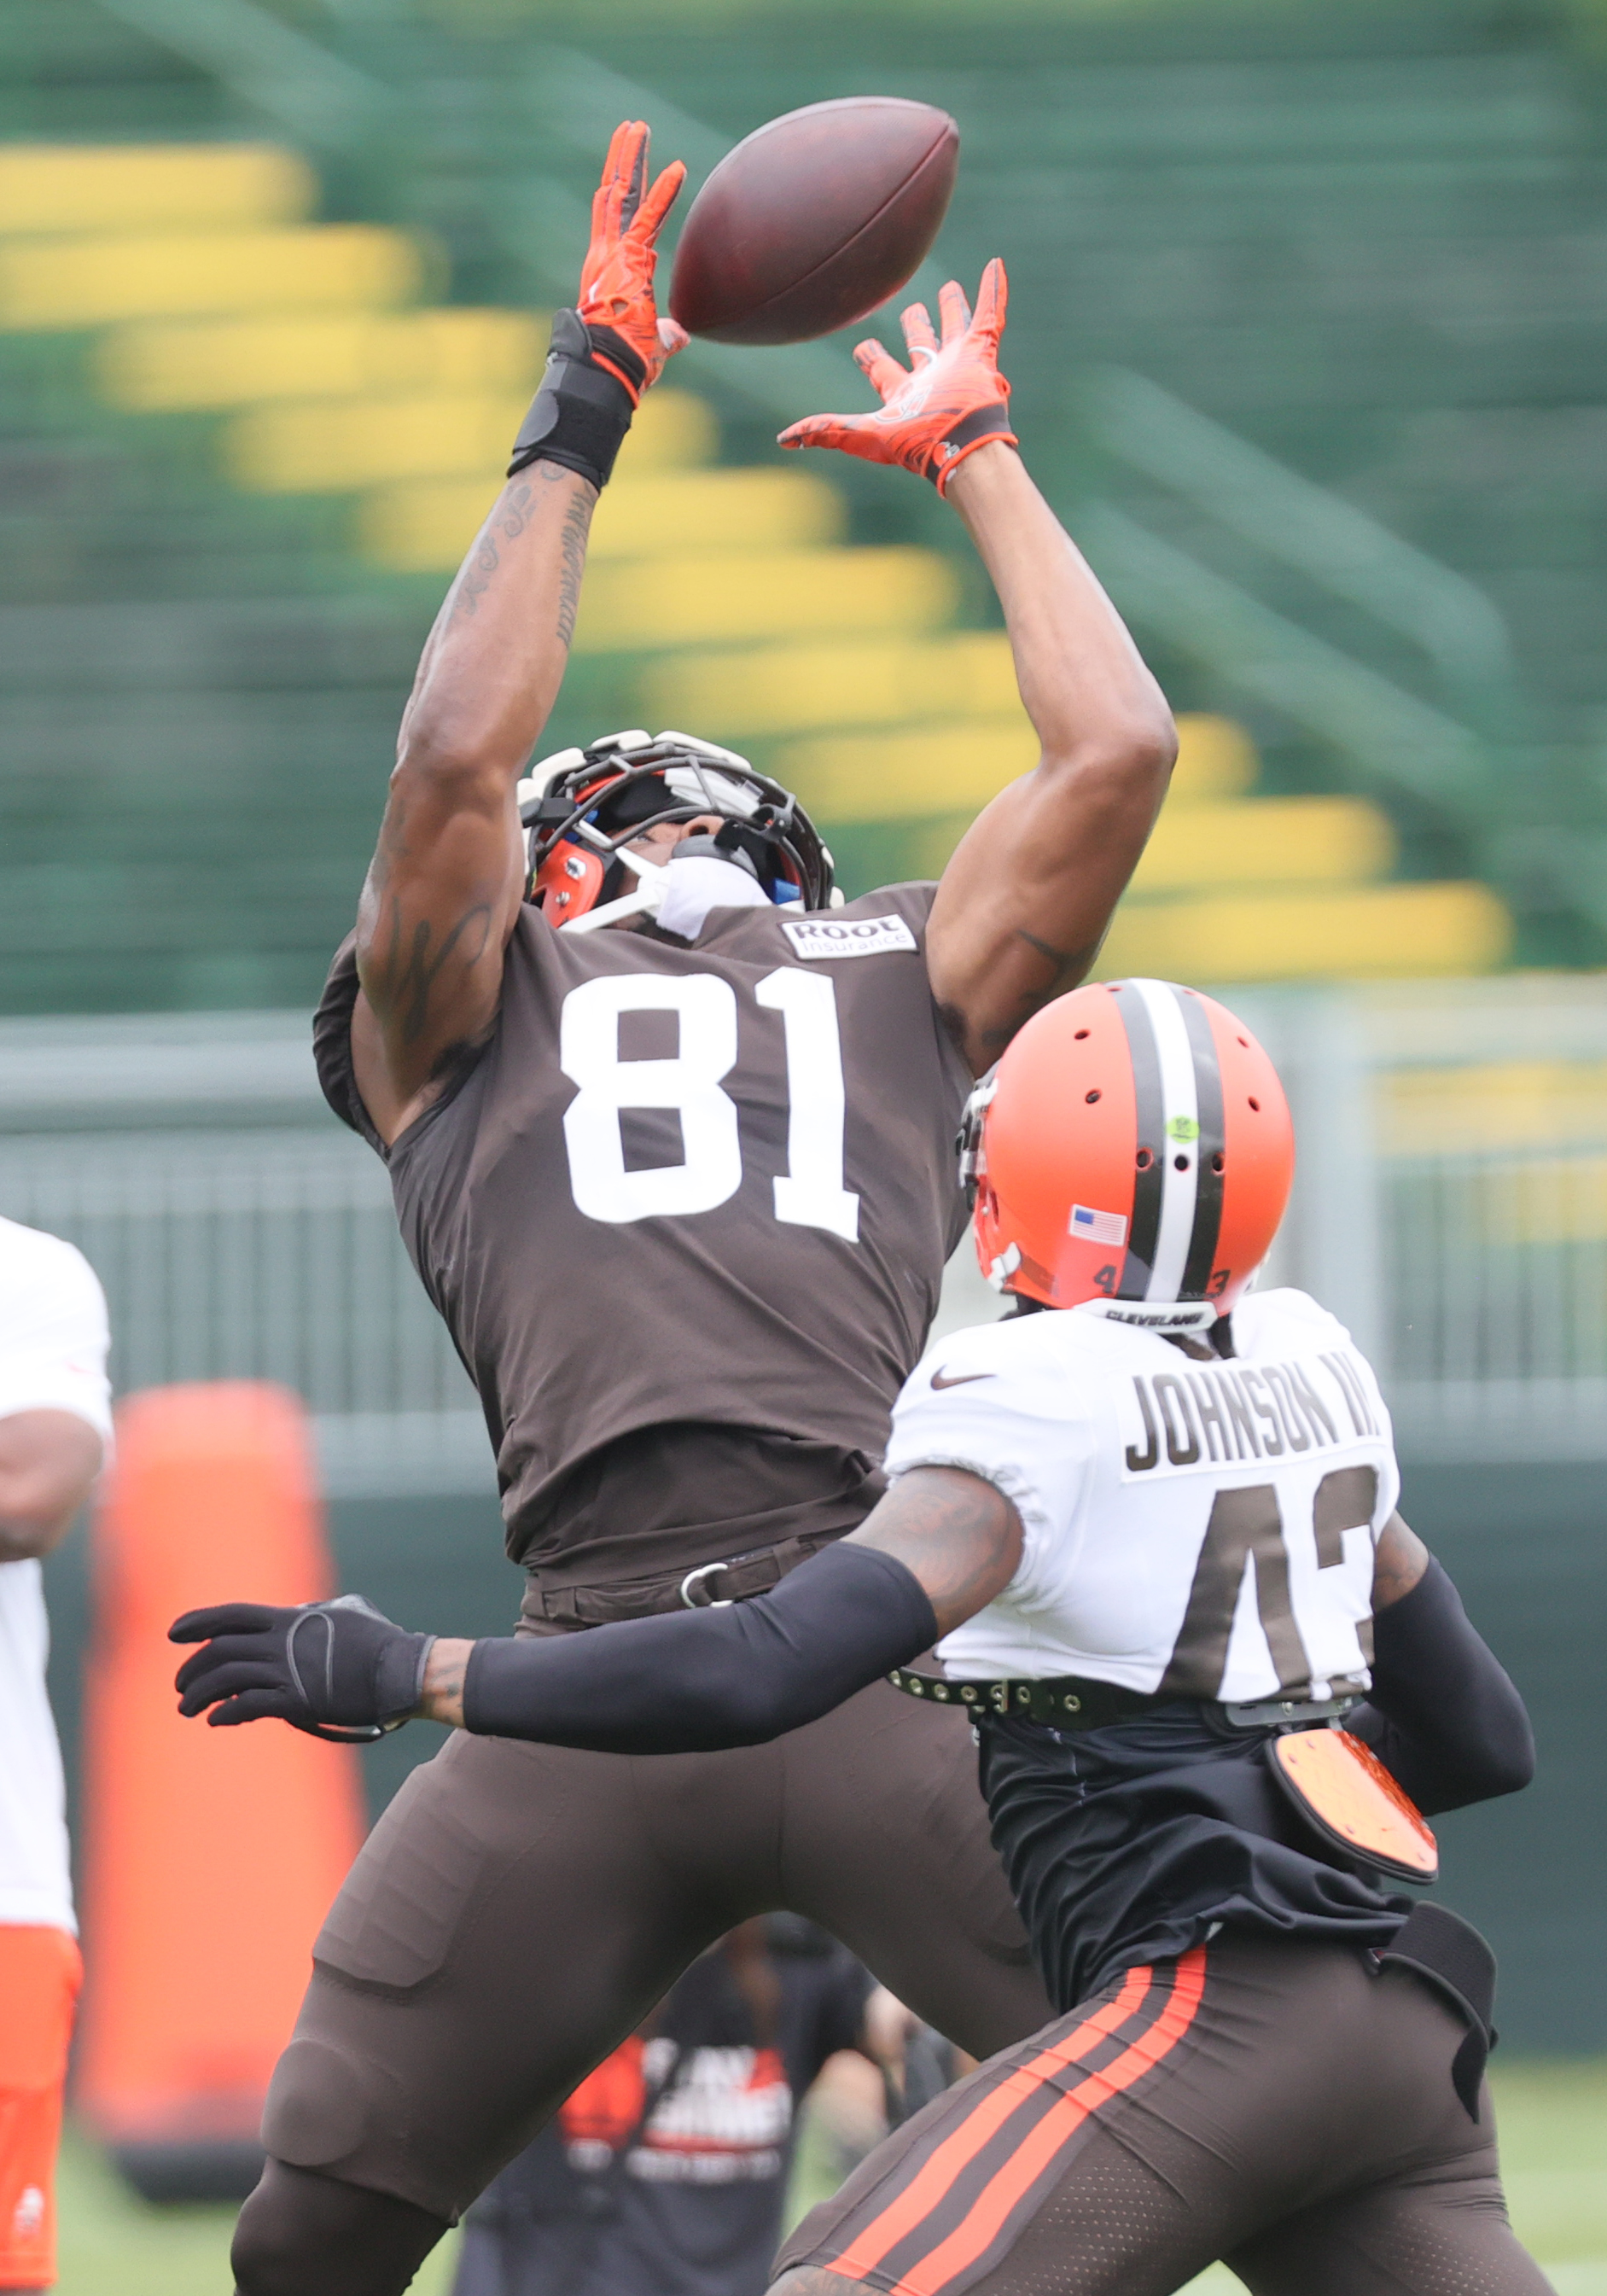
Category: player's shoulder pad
[34,1263]
[1276,1318]
[1017,1364]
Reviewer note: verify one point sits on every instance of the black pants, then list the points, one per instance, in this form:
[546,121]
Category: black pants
[1268,2102]
[519,1909]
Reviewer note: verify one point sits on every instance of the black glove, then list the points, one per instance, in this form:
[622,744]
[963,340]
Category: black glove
[581,413]
[336,1670]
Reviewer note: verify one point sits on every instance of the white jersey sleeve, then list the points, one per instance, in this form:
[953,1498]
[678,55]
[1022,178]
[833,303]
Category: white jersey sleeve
[52,1357]
[53,1339]
[991,1403]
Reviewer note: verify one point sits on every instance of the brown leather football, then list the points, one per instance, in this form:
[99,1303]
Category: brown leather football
[814,219]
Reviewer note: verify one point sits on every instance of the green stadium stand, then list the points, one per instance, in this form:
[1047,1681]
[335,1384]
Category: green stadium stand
[1305,345]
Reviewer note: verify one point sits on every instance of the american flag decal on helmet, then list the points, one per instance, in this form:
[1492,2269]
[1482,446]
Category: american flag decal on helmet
[1099,1228]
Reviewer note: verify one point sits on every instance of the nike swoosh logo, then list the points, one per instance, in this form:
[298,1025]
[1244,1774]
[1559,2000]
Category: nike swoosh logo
[959,1379]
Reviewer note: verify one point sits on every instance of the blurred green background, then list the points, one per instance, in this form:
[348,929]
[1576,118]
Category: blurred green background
[1307,336]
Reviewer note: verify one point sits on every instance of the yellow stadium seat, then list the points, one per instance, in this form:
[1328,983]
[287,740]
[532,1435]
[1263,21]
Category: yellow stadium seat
[123,187]
[1266,840]
[1216,758]
[341,446]
[1373,931]
[90,283]
[159,366]
[335,447]
[958,763]
[914,772]
[715,510]
[633,604]
[794,689]
[426,526]
[1494,1105]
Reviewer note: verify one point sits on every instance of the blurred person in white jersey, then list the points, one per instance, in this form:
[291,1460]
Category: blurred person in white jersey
[1149,1524]
[56,1427]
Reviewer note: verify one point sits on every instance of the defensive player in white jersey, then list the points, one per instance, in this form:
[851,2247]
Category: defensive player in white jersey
[55,1422]
[1152,1529]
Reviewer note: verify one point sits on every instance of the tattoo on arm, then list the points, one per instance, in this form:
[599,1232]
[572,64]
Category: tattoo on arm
[445,1668]
[960,1536]
[1067,970]
[410,968]
[576,527]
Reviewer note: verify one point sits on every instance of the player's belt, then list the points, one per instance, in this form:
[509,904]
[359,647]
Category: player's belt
[1075,1702]
[710,1586]
[1069,1701]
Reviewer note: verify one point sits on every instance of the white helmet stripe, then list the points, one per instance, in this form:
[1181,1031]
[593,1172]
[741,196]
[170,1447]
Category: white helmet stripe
[1179,1102]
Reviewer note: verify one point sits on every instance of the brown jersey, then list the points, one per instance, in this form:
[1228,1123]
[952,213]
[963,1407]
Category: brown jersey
[685,1187]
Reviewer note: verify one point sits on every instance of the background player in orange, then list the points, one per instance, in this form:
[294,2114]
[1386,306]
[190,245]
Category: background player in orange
[1153,1521]
[684,1193]
[55,1422]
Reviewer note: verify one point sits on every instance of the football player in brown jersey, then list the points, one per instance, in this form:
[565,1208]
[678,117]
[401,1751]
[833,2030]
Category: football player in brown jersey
[684,1193]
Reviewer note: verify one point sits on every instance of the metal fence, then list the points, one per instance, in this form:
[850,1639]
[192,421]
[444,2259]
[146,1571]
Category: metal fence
[1451,1206]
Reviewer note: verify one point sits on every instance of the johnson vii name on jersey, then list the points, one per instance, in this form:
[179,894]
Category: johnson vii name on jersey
[1198,1528]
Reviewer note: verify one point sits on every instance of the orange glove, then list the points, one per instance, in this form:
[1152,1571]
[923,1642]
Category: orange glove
[616,279]
[606,351]
[954,401]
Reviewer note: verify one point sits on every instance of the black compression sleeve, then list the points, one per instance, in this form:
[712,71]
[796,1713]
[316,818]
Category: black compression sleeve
[697,1680]
[1442,1717]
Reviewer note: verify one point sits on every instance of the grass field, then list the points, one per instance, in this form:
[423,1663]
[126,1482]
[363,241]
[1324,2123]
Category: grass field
[1554,2127]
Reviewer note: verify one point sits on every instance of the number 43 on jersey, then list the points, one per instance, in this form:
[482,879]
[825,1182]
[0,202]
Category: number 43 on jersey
[809,1194]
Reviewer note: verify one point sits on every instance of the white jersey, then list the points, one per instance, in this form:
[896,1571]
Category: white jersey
[1202,1528]
[52,1357]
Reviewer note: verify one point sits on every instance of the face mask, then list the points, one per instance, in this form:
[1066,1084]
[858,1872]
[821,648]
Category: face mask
[698,883]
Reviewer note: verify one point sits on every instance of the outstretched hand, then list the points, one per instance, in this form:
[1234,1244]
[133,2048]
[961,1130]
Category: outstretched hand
[337,1669]
[617,276]
[950,400]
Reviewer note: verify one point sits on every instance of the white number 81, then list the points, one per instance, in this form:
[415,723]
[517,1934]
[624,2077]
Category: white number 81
[809,1195]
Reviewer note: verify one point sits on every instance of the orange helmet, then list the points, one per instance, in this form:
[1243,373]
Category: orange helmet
[1133,1144]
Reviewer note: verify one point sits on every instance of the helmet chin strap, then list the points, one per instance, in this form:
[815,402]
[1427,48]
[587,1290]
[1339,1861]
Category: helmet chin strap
[647,900]
[679,897]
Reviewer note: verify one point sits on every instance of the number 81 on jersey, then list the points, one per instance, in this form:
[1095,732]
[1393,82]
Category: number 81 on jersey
[809,1194]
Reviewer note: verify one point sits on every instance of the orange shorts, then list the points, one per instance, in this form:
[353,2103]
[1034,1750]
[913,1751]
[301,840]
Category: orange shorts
[40,1973]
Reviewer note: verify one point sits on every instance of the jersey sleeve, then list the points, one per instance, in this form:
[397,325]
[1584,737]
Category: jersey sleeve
[53,1336]
[332,1046]
[1018,1426]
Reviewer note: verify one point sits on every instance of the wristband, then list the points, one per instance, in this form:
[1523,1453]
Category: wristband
[979,429]
[589,392]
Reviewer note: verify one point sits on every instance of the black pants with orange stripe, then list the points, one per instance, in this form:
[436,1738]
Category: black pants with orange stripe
[1271,2104]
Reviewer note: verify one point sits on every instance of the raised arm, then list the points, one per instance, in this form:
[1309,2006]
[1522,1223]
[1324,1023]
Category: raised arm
[443,891]
[939,1547]
[1027,897]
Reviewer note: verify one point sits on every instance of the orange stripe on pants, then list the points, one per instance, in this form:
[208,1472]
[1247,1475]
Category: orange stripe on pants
[884,2233]
[1039,2148]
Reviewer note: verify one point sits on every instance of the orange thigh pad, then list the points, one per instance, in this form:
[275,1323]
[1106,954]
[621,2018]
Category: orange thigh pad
[1342,1788]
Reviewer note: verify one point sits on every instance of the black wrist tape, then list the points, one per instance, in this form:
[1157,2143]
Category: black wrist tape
[984,422]
[581,413]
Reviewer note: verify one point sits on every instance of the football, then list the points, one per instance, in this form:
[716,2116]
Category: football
[814,219]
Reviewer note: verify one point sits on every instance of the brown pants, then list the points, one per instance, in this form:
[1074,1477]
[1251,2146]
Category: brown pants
[1263,2101]
[519,1909]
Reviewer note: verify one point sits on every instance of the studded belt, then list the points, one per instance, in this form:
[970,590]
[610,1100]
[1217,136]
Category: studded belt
[1073,1702]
